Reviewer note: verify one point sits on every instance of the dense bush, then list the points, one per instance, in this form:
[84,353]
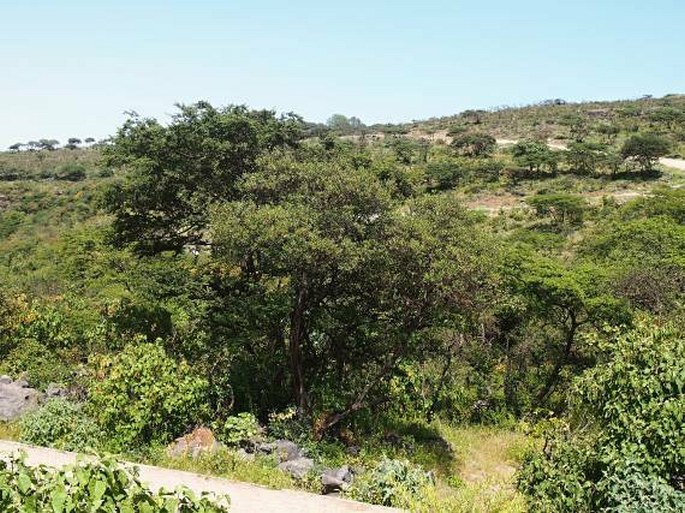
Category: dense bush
[61,424]
[563,209]
[239,428]
[40,365]
[101,486]
[141,395]
[626,427]
[391,483]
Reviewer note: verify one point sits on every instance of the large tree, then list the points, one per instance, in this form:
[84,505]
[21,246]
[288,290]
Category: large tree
[363,280]
[645,149]
[176,172]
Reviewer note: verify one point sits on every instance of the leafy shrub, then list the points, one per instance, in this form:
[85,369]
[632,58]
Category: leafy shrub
[71,172]
[141,395]
[563,209]
[239,428]
[288,425]
[629,490]
[40,365]
[94,486]
[626,427]
[10,222]
[61,424]
[391,483]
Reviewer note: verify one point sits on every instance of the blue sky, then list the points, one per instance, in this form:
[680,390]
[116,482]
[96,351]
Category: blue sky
[71,67]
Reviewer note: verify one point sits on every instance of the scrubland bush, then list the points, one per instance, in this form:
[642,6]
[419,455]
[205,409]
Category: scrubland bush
[142,395]
[61,424]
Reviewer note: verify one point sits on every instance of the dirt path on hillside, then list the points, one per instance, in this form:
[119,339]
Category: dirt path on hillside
[245,498]
[674,163]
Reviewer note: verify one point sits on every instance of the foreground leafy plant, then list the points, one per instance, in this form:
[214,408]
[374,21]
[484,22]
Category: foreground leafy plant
[101,486]
[623,447]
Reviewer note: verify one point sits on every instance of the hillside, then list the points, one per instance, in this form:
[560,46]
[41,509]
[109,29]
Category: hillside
[481,312]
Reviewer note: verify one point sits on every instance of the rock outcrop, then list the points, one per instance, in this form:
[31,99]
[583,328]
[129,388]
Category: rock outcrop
[200,441]
[16,398]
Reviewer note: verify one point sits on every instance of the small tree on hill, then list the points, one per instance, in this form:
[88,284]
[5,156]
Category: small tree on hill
[476,144]
[339,122]
[563,209]
[585,157]
[645,149]
[48,144]
[534,155]
[73,143]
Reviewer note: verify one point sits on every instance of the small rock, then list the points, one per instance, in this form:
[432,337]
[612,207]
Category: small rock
[243,455]
[54,390]
[345,474]
[331,484]
[298,468]
[335,480]
[353,450]
[5,379]
[201,440]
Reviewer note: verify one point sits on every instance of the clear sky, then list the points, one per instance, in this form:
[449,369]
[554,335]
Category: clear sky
[71,67]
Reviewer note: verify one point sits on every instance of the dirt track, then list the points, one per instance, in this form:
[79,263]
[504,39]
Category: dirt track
[245,498]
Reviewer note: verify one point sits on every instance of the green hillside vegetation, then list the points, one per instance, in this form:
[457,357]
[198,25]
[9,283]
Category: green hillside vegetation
[422,297]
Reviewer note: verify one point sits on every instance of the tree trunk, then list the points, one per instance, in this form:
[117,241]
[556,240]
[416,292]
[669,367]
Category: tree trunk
[297,334]
[554,376]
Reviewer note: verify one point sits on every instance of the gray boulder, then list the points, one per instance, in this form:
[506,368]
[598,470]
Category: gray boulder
[243,455]
[298,468]
[335,480]
[284,450]
[16,399]
[5,379]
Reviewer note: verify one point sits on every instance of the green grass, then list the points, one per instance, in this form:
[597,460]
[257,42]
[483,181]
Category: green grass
[474,466]
[230,465]
[9,431]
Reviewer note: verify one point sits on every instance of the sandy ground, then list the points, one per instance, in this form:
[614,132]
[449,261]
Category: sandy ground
[245,498]
[674,163]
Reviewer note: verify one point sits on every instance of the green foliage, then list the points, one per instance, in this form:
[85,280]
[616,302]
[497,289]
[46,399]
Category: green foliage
[287,425]
[231,464]
[391,483]
[656,240]
[535,156]
[662,202]
[179,170]
[239,428]
[40,365]
[586,157]
[645,149]
[102,486]
[71,172]
[337,262]
[563,209]
[61,424]
[341,274]
[141,395]
[474,144]
[626,427]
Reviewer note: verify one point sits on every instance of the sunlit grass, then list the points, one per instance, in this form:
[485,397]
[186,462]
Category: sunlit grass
[9,431]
